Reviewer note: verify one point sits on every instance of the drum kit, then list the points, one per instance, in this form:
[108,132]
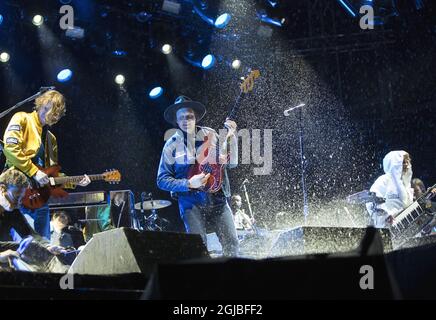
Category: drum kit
[152,222]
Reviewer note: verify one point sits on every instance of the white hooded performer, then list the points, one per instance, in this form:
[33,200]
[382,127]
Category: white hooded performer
[394,186]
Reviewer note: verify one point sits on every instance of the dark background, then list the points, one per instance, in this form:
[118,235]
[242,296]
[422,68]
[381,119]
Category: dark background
[367,91]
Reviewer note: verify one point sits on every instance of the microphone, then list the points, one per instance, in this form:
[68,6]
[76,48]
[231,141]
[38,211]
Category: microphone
[44,89]
[288,111]
[245,181]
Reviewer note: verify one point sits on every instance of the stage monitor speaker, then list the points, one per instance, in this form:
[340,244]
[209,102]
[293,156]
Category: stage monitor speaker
[302,277]
[314,240]
[418,241]
[124,250]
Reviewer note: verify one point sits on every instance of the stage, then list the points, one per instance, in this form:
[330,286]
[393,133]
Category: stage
[211,149]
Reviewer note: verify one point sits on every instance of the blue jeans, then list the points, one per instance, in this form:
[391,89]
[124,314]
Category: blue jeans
[198,213]
[41,218]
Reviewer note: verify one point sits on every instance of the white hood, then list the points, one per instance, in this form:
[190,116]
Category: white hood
[393,159]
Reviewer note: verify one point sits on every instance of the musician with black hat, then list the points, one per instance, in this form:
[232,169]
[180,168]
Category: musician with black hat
[198,209]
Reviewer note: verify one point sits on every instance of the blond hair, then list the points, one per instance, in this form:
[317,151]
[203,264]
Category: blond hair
[54,97]
[14,177]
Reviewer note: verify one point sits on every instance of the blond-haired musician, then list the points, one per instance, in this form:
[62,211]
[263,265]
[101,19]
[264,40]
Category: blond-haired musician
[24,148]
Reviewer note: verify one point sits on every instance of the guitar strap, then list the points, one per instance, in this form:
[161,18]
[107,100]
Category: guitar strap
[39,158]
[51,146]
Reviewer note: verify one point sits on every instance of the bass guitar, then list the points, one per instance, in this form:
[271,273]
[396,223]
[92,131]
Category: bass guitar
[207,160]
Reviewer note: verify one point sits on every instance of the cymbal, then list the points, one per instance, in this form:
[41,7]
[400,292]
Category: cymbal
[153,204]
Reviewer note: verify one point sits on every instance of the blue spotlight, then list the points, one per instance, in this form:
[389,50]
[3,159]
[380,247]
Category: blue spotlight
[262,15]
[347,6]
[272,3]
[155,93]
[222,21]
[143,16]
[208,61]
[65,75]
[1,19]
[119,53]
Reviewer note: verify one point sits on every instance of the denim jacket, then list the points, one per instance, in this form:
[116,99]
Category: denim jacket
[176,160]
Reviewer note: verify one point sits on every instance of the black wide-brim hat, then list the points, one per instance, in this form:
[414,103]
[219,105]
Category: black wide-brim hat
[184,102]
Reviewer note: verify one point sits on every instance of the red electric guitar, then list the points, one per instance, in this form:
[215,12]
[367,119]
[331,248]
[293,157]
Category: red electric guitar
[35,198]
[207,161]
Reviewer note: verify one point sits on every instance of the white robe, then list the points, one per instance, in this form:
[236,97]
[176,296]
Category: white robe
[394,187]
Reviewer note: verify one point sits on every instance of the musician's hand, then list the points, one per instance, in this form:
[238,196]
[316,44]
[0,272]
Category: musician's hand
[198,181]
[389,220]
[231,126]
[85,181]
[223,159]
[5,255]
[397,172]
[56,250]
[41,178]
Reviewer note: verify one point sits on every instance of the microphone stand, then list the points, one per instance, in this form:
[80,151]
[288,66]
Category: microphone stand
[19,104]
[121,213]
[153,215]
[142,211]
[135,222]
[249,208]
[302,159]
[303,169]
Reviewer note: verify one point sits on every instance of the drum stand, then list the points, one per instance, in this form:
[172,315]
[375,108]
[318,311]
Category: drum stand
[151,221]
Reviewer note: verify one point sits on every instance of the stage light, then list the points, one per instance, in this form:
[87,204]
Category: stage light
[171,7]
[348,7]
[65,75]
[208,62]
[38,20]
[120,79]
[272,3]
[1,19]
[263,16]
[143,16]
[75,33]
[4,57]
[166,49]
[222,21]
[119,53]
[236,64]
[155,92]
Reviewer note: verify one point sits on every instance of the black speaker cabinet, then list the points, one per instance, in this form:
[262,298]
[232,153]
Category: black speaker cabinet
[125,250]
[312,240]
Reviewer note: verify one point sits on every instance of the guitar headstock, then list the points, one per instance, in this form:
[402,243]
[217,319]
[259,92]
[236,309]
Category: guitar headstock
[112,176]
[248,84]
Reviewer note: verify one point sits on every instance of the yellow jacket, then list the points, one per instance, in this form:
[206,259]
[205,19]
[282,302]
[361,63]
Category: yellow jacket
[22,140]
